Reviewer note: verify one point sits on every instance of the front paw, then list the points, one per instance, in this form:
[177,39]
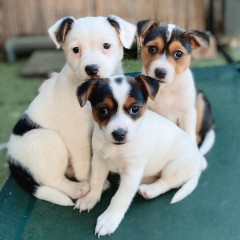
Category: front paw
[87,202]
[107,223]
[83,189]
[146,191]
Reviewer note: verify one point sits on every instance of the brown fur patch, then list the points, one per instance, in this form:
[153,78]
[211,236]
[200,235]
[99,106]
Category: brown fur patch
[181,64]
[200,106]
[130,101]
[107,103]
[148,58]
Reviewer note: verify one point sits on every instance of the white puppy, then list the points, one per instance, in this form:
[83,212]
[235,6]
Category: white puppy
[166,55]
[53,133]
[135,142]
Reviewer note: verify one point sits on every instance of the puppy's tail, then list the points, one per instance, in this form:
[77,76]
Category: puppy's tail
[27,182]
[186,189]
[207,142]
[205,123]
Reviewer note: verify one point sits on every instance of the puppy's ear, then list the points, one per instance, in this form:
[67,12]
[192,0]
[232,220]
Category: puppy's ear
[84,91]
[59,30]
[145,26]
[198,39]
[126,30]
[149,85]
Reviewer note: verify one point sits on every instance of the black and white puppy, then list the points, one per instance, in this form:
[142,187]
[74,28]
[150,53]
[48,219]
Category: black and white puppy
[53,133]
[166,55]
[135,142]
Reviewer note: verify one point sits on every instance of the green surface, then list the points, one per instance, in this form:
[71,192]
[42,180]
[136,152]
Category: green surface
[15,95]
[211,212]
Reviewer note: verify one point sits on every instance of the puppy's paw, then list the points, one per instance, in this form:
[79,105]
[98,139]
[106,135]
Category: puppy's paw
[106,185]
[107,223]
[146,191]
[87,202]
[82,190]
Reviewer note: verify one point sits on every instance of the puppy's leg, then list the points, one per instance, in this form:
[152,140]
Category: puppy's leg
[149,191]
[175,174]
[80,159]
[188,123]
[43,152]
[108,222]
[98,177]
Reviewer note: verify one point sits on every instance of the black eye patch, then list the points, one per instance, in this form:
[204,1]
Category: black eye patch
[137,92]
[176,35]
[103,101]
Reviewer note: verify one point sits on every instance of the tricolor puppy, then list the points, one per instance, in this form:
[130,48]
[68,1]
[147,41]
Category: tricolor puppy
[135,142]
[53,133]
[166,54]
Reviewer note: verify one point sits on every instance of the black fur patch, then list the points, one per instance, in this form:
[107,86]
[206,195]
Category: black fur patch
[61,33]
[149,85]
[101,92]
[162,32]
[114,22]
[25,124]
[22,176]
[140,25]
[208,121]
[137,91]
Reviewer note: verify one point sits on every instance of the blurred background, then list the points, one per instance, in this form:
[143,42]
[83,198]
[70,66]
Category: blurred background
[27,54]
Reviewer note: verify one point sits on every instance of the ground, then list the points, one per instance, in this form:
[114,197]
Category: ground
[17,92]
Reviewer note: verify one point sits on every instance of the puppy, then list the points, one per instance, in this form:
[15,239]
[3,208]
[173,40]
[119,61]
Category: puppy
[166,54]
[53,133]
[135,142]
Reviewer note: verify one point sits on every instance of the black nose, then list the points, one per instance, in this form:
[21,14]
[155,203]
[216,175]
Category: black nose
[92,70]
[119,134]
[160,72]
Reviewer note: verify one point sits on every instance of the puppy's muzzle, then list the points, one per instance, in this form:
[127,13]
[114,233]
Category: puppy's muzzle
[160,73]
[92,70]
[119,135]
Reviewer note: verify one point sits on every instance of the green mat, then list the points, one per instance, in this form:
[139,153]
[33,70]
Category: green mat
[211,212]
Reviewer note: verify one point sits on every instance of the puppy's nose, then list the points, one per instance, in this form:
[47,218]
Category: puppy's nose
[160,72]
[92,70]
[119,134]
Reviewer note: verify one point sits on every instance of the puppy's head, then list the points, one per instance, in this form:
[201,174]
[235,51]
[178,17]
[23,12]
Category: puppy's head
[118,104]
[93,45]
[166,48]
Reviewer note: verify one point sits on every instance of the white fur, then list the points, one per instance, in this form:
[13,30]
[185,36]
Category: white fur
[208,142]
[176,98]
[66,128]
[156,145]
[176,101]
[170,29]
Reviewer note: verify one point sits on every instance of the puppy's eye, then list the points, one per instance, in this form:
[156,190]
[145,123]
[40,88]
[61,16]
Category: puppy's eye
[134,110]
[106,45]
[152,49]
[103,111]
[178,54]
[75,49]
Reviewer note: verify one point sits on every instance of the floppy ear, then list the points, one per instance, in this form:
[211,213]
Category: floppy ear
[59,30]
[145,26]
[84,91]
[198,39]
[126,30]
[149,85]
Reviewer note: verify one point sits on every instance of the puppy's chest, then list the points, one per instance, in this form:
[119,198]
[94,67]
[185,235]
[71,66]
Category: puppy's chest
[116,160]
[168,104]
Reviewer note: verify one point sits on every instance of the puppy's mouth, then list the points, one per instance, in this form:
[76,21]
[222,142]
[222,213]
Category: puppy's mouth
[95,76]
[161,80]
[119,143]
